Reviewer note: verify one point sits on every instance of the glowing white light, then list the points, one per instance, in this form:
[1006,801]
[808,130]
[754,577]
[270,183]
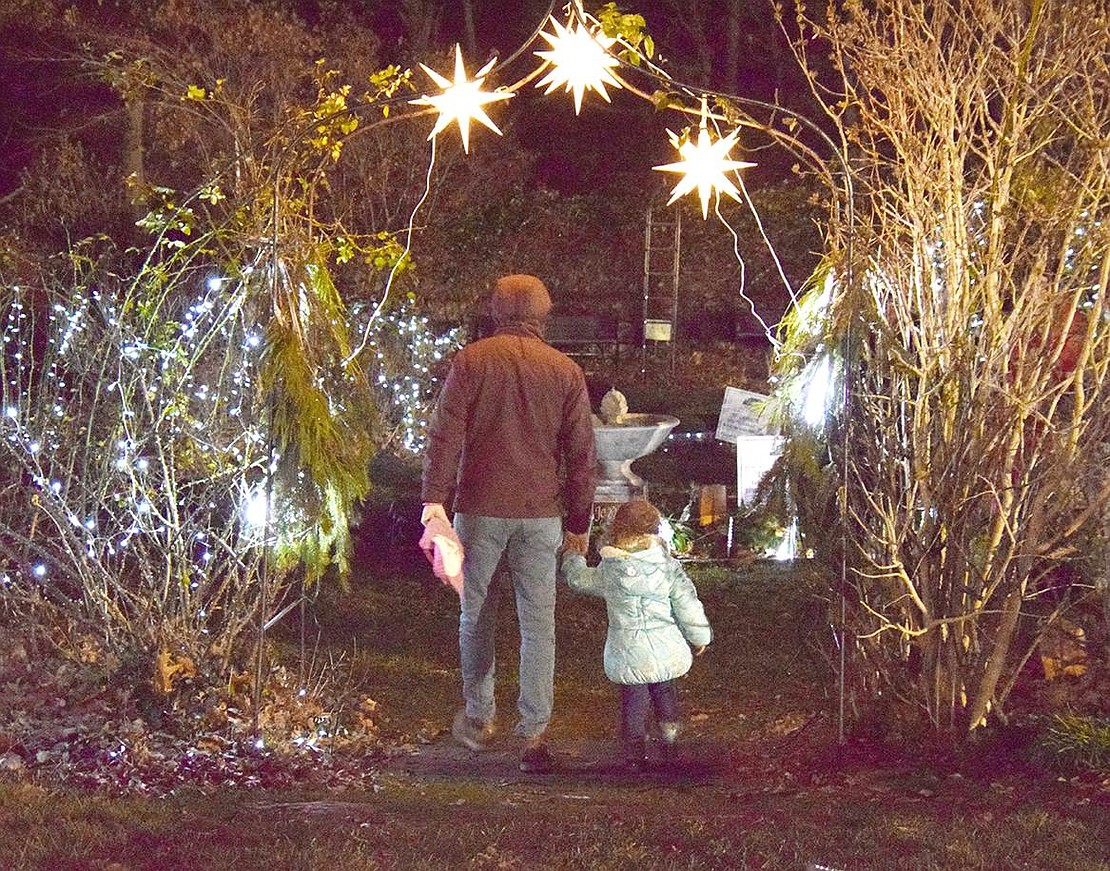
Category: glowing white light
[666,532]
[11,412]
[704,164]
[755,455]
[34,447]
[40,571]
[788,548]
[256,510]
[462,100]
[580,62]
[816,390]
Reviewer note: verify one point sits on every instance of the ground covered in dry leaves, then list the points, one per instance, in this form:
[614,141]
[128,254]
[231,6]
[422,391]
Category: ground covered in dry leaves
[356,769]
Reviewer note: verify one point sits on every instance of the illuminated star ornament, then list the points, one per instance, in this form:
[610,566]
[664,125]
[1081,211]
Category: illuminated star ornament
[704,165]
[580,62]
[462,100]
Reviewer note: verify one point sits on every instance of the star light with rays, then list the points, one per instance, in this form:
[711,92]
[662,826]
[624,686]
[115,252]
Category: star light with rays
[580,62]
[704,164]
[462,100]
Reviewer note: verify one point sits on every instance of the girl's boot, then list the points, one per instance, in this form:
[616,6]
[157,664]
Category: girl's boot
[668,735]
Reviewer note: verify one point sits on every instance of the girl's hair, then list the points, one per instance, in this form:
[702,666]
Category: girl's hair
[633,521]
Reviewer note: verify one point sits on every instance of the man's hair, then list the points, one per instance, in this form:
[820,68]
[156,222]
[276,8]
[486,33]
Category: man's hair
[634,520]
[520,299]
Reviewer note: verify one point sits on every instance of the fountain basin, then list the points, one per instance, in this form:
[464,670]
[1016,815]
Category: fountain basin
[619,444]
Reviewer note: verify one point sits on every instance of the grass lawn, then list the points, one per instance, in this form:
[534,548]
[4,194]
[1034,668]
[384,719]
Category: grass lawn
[767,786]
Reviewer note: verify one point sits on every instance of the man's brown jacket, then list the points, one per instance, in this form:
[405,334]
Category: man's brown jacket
[512,434]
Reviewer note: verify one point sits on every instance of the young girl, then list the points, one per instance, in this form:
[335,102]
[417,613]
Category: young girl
[655,617]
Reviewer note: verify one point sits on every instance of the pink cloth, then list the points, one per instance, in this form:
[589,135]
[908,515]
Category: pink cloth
[445,552]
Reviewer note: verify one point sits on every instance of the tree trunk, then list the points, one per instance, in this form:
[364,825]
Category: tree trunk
[732,47]
[470,34]
[133,154]
[1003,639]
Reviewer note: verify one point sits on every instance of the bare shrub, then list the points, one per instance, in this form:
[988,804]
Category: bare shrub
[132,446]
[975,335]
[188,423]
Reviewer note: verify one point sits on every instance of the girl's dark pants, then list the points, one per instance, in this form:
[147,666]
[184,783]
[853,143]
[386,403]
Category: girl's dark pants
[636,701]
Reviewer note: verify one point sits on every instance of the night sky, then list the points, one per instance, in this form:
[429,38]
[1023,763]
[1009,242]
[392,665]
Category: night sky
[627,136]
[575,154]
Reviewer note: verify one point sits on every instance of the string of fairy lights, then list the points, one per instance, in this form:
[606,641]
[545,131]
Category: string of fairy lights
[197,386]
[161,393]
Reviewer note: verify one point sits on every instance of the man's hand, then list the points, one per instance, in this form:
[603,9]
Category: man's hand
[576,542]
[433,510]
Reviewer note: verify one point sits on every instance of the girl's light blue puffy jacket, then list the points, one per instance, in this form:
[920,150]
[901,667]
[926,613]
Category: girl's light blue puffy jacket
[654,612]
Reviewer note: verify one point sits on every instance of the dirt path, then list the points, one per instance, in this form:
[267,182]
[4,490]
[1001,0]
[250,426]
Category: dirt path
[584,762]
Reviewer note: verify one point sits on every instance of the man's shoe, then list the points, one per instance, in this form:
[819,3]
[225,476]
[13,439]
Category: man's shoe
[537,759]
[472,734]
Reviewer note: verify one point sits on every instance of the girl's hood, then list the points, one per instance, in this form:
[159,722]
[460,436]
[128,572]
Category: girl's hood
[642,569]
[649,556]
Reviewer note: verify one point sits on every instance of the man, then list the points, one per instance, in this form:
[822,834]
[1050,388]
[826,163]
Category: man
[512,436]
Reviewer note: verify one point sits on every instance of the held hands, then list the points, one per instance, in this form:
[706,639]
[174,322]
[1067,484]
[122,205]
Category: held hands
[576,542]
[433,510]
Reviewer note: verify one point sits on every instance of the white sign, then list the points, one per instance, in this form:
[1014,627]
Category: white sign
[754,457]
[743,413]
[657,331]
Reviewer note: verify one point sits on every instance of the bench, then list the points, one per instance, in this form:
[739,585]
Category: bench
[582,337]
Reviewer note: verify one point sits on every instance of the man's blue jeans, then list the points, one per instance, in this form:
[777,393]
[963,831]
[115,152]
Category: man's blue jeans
[529,547]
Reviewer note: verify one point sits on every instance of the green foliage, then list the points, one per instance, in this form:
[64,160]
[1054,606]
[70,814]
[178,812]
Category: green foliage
[629,29]
[324,456]
[760,530]
[385,84]
[682,534]
[802,483]
[805,332]
[1076,743]
[321,421]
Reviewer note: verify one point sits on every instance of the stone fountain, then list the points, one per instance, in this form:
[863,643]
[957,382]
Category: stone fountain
[621,438]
